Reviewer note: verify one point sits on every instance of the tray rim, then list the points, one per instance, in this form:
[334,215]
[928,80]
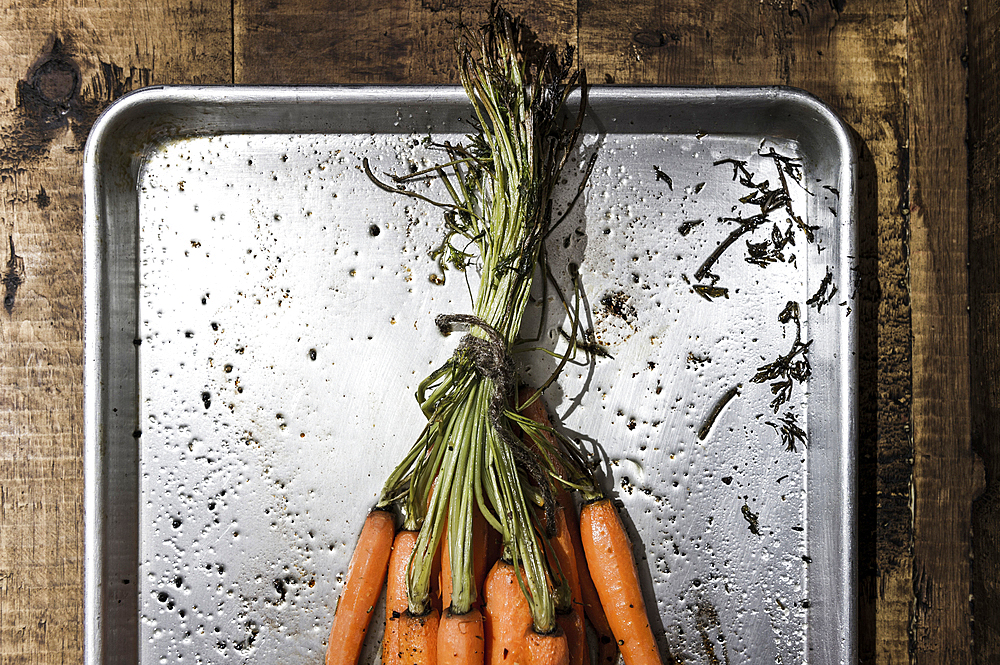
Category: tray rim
[132,105]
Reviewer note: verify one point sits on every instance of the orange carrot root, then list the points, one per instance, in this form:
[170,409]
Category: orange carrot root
[418,638]
[586,591]
[592,601]
[607,649]
[609,555]
[461,639]
[573,626]
[572,622]
[507,616]
[395,594]
[564,553]
[365,577]
[549,649]
[536,411]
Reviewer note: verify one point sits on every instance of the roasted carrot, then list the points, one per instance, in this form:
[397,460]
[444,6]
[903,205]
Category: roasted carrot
[587,595]
[461,638]
[395,594]
[568,549]
[418,638]
[571,619]
[607,649]
[609,555]
[575,630]
[365,576]
[507,616]
[548,649]
[563,553]
[591,599]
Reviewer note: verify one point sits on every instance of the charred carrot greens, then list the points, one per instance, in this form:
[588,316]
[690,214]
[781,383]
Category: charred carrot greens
[500,186]
[488,461]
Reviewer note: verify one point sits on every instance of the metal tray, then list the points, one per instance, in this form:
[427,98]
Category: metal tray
[258,316]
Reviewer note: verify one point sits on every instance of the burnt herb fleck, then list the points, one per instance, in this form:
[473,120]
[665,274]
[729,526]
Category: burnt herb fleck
[748,225]
[708,292]
[713,415]
[660,175]
[740,171]
[824,294]
[788,429]
[689,226]
[772,249]
[789,368]
[707,622]
[769,200]
[693,359]
[751,518]
[790,168]
[618,304]
[587,342]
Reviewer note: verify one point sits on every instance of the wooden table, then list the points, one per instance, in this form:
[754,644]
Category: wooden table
[917,81]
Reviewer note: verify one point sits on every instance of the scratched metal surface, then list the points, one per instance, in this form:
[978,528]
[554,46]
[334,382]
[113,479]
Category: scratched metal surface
[259,315]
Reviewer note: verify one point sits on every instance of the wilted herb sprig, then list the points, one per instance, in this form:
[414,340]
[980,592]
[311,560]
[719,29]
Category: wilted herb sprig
[790,367]
[769,200]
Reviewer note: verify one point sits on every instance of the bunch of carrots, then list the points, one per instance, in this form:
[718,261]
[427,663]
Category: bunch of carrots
[477,537]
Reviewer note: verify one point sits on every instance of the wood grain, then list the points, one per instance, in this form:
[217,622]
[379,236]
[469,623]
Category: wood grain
[942,468]
[61,65]
[399,41]
[984,295]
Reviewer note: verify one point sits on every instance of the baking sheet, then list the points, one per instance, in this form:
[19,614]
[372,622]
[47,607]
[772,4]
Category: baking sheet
[259,315]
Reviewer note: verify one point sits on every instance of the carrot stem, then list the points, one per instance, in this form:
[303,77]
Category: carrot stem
[573,627]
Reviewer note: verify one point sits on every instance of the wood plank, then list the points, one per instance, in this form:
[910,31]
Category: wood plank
[853,56]
[939,300]
[61,65]
[397,41]
[984,296]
